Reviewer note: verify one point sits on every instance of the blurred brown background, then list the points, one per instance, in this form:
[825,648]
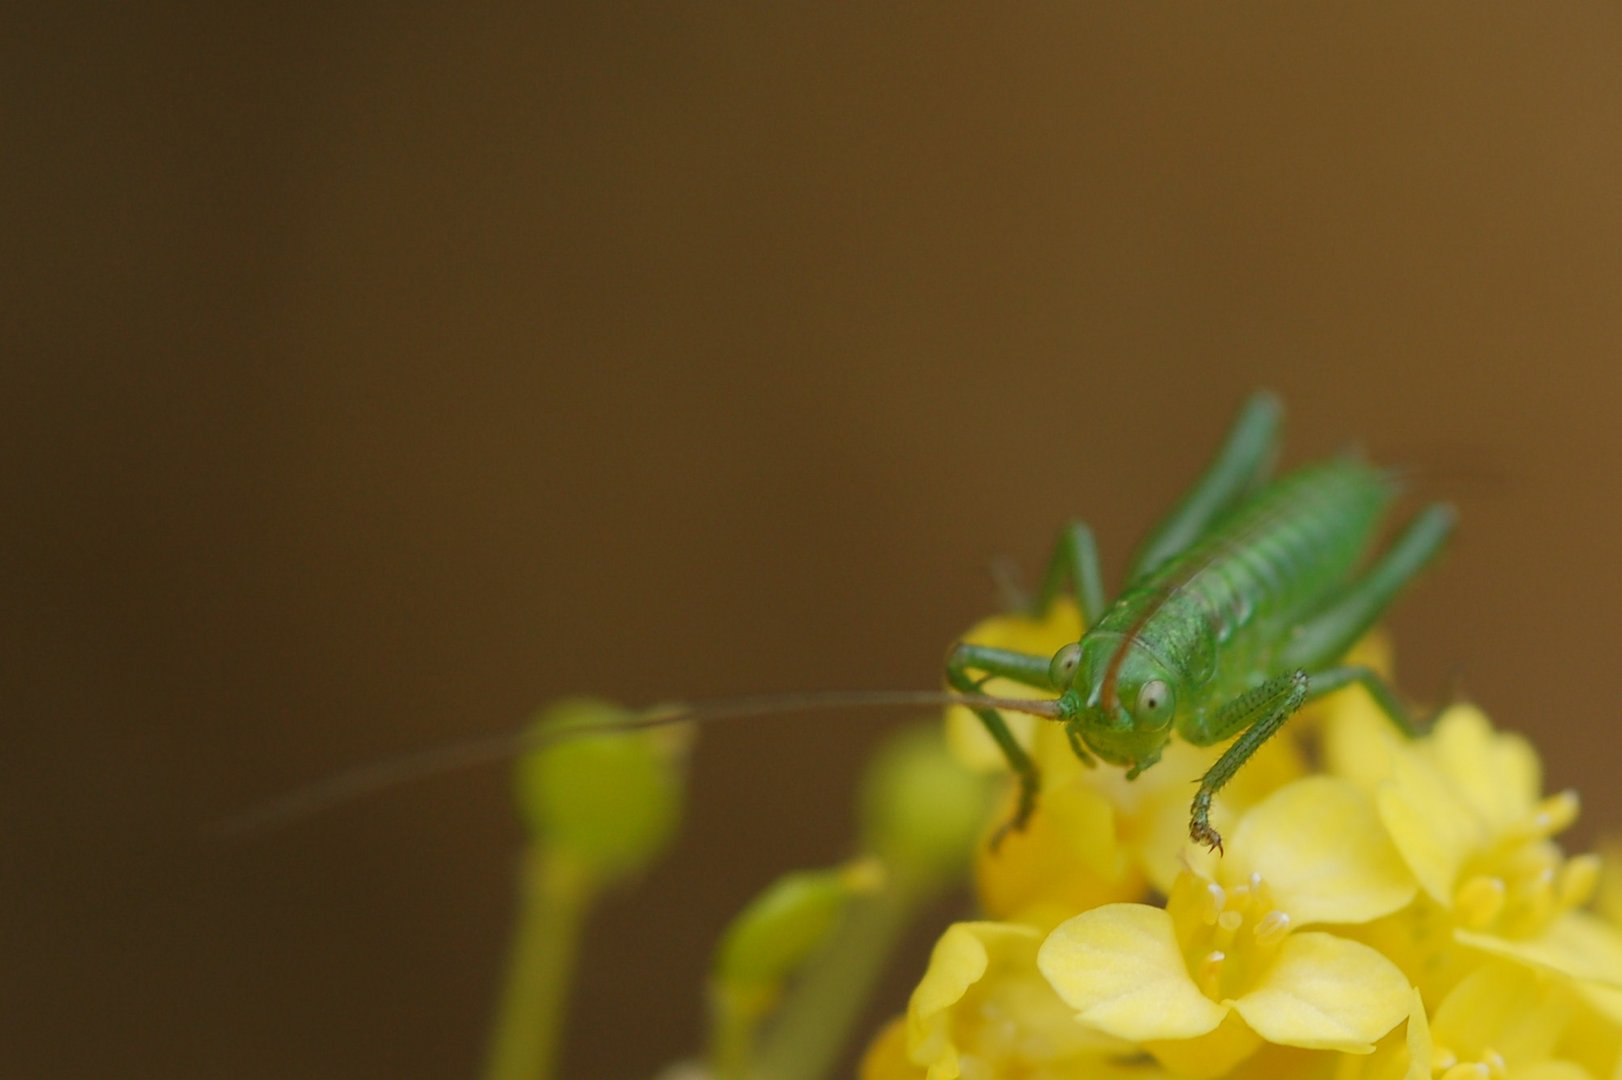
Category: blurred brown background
[376,375]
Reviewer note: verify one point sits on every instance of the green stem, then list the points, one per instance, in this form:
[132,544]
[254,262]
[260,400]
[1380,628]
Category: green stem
[554,896]
[813,1026]
[734,1020]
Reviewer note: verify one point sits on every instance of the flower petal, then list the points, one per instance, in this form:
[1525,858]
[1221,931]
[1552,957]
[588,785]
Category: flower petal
[886,1056]
[1418,1041]
[1575,944]
[1360,743]
[1120,968]
[1607,1001]
[1498,775]
[983,1009]
[958,961]
[1432,830]
[1553,1070]
[1320,846]
[1066,860]
[1327,993]
[1210,1055]
[1504,1008]
[1399,1055]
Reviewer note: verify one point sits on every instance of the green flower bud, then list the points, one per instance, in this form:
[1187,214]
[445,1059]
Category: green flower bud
[609,802]
[922,811]
[771,937]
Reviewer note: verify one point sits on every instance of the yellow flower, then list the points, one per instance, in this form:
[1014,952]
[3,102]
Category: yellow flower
[1134,831]
[1225,965]
[1503,1021]
[1070,856]
[983,1012]
[1464,808]
[1404,914]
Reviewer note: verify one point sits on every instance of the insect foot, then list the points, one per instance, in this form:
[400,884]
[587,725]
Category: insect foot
[1022,815]
[1199,824]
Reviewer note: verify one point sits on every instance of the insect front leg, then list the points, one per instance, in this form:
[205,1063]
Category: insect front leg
[1024,669]
[1256,714]
[1074,562]
[1262,711]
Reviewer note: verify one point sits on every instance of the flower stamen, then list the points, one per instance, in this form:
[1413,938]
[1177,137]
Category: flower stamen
[1554,814]
[1272,928]
[1579,880]
[1208,974]
[1480,900]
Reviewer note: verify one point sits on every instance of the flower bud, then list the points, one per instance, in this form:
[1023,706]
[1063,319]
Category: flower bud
[922,811]
[609,802]
[772,936]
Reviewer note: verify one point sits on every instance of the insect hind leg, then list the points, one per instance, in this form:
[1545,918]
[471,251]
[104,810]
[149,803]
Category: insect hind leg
[1326,637]
[1241,465]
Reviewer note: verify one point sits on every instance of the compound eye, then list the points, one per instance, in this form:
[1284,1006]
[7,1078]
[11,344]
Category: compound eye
[1062,671]
[1155,703]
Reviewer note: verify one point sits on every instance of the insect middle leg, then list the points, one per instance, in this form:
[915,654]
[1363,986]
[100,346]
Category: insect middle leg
[1385,698]
[1074,560]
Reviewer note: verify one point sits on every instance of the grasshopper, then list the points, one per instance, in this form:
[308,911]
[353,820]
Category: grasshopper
[1237,610]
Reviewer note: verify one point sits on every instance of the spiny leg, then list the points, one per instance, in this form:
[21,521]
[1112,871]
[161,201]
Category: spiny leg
[1326,637]
[1242,464]
[1022,668]
[1256,714]
[1283,691]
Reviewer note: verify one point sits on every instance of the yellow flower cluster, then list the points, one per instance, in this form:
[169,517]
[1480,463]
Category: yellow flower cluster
[1396,911]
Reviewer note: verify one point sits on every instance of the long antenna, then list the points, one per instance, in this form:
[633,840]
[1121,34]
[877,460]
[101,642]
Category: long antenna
[404,768]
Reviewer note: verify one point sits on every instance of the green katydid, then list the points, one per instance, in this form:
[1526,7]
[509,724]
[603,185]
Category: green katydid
[1237,610]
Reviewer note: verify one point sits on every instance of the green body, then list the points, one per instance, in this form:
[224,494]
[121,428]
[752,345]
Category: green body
[1211,622]
[1236,611]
